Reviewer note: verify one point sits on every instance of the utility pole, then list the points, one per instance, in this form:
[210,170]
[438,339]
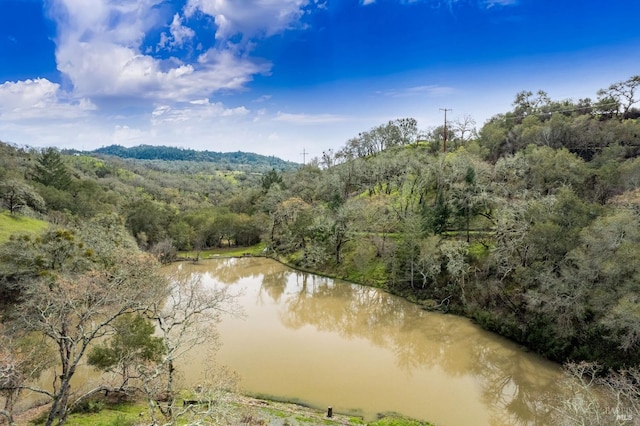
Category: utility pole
[304,156]
[444,144]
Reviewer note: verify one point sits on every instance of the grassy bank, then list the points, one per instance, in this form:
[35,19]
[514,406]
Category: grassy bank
[247,411]
[256,250]
[17,224]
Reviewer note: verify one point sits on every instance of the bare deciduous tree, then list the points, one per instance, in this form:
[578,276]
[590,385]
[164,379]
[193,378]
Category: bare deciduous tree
[623,93]
[465,127]
[186,317]
[590,397]
[73,312]
[68,287]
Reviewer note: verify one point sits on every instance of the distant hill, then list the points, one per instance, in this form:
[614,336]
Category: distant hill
[166,153]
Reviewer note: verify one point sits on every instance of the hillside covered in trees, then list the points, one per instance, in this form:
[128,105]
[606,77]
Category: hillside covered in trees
[530,225]
[239,160]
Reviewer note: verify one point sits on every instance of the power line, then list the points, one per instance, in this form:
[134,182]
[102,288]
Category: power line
[304,156]
[582,108]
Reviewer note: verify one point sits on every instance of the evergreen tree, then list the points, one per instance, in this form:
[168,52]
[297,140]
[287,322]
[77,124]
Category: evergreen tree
[271,178]
[50,169]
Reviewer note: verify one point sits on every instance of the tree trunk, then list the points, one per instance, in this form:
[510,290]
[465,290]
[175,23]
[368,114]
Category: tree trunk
[7,413]
[467,223]
[170,392]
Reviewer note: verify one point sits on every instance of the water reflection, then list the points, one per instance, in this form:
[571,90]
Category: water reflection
[422,364]
[513,386]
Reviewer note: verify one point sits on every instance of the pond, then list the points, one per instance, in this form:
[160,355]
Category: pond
[326,342]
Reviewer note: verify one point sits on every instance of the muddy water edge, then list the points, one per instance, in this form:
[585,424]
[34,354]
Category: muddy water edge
[326,342]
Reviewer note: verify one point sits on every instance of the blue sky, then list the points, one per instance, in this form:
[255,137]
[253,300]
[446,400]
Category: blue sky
[277,77]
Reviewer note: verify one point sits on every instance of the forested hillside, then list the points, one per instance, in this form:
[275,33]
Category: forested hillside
[239,160]
[530,225]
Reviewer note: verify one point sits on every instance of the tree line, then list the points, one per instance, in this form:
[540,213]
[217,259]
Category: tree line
[228,160]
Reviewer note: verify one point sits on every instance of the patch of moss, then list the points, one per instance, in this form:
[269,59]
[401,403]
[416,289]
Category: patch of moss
[478,250]
[121,414]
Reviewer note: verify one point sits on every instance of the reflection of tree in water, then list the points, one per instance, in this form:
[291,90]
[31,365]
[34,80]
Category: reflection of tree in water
[417,338]
[228,271]
[511,384]
[514,387]
[274,283]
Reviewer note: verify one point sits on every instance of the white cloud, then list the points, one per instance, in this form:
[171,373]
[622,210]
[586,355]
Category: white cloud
[251,17]
[128,136]
[425,90]
[492,3]
[308,118]
[200,101]
[450,3]
[178,34]
[101,52]
[40,99]
[99,49]
[198,124]
[123,22]
[263,98]
[197,111]
[321,4]
[111,53]
[29,93]
[108,69]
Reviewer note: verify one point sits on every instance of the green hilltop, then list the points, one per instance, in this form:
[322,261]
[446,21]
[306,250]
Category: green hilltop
[231,160]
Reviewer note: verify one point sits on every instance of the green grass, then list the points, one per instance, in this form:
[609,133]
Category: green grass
[479,251]
[18,224]
[398,421]
[230,252]
[130,414]
[115,415]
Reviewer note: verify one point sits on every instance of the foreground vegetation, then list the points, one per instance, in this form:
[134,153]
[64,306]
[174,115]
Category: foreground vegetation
[530,226]
[248,411]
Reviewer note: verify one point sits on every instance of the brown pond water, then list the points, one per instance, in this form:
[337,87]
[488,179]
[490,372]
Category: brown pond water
[327,342]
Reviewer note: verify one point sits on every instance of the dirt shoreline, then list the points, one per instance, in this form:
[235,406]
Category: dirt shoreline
[276,413]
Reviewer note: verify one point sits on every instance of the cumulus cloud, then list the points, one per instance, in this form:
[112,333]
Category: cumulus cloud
[250,18]
[103,52]
[178,34]
[99,48]
[39,98]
